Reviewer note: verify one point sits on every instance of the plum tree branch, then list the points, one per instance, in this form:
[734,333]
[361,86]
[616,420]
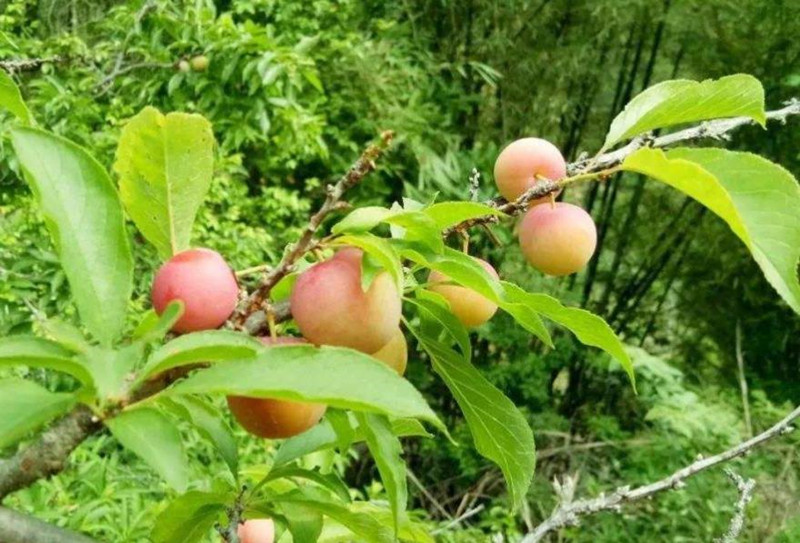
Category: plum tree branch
[606,164]
[250,314]
[745,489]
[19,528]
[27,64]
[48,454]
[569,512]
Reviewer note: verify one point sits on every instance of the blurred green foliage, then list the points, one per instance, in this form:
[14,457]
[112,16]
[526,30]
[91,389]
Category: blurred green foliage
[295,89]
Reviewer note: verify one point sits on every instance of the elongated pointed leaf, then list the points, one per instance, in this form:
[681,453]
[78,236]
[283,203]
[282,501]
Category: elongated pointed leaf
[387,452]
[499,430]
[36,352]
[682,101]
[447,214]
[208,346]
[84,217]
[165,164]
[434,306]
[25,406]
[210,422]
[588,328]
[65,335]
[323,436]
[331,375]
[381,250]
[190,517]
[11,99]
[368,528]
[305,523]
[758,199]
[152,436]
[329,481]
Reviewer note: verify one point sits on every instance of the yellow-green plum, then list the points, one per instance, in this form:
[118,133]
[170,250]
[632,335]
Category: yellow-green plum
[557,239]
[330,307]
[275,419]
[260,530]
[183,66]
[395,353]
[204,282]
[470,307]
[519,164]
[199,63]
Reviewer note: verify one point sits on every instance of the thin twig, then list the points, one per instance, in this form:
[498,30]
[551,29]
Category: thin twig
[364,165]
[748,424]
[745,489]
[568,512]
[28,64]
[427,494]
[608,163]
[230,533]
[456,521]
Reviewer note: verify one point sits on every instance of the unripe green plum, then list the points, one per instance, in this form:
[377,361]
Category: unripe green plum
[519,164]
[260,530]
[470,307]
[557,239]
[330,307]
[183,66]
[395,353]
[275,419]
[199,63]
[204,282]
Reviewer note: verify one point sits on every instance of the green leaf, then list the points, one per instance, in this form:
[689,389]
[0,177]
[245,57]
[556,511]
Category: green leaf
[25,406]
[682,101]
[362,219]
[147,323]
[381,250]
[154,327]
[387,452]
[757,198]
[111,368]
[343,426]
[588,328]
[165,164]
[84,216]
[190,517]
[207,346]
[529,319]
[499,430]
[447,214]
[11,99]
[152,436]
[65,334]
[329,481]
[363,525]
[305,523]
[461,268]
[331,375]
[434,306]
[323,436]
[36,352]
[417,226]
[210,422]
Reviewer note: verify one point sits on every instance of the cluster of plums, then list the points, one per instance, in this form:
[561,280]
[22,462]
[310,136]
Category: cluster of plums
[557,238]
[330,307]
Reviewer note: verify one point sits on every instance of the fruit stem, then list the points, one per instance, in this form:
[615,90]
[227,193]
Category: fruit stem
[271,322]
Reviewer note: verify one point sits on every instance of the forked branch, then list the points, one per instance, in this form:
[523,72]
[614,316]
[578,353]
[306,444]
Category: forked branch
[569,512]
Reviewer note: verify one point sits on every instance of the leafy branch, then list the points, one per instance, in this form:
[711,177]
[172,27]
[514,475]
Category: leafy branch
[251,315]
[569,511]
[605,164]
